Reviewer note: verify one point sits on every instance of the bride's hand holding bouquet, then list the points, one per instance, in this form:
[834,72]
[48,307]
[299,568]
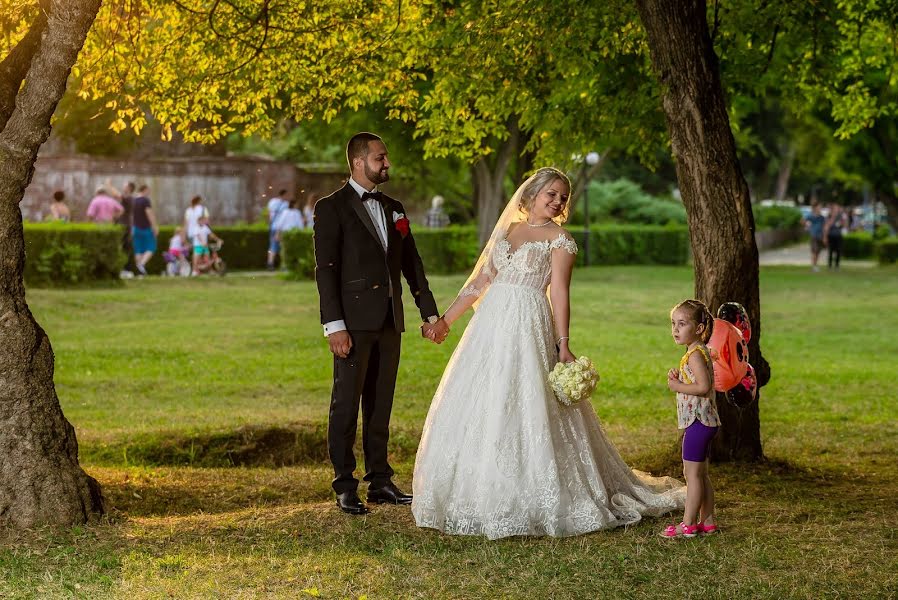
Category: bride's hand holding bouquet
[573,381]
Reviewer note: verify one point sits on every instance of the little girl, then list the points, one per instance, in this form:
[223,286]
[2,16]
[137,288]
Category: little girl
[691,325]
[176,257]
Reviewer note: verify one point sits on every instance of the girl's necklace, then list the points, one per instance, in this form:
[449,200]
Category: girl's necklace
[540,225]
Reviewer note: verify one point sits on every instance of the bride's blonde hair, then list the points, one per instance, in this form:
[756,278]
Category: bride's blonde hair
[535,184]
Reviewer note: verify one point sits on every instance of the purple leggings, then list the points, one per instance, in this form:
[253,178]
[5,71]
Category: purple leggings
[696,440]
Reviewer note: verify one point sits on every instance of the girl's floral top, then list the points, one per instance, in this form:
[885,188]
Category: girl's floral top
[690,408]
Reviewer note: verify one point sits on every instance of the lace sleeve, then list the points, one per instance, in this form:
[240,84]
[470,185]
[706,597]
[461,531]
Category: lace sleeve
[565,242]
[479,282]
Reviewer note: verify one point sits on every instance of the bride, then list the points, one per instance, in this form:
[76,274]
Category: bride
[499,456]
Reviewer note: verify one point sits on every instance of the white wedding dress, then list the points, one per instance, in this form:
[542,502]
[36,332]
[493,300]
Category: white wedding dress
[499,456]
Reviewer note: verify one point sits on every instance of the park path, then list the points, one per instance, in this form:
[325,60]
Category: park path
[800,254]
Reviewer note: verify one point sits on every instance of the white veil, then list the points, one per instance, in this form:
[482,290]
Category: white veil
[514,213]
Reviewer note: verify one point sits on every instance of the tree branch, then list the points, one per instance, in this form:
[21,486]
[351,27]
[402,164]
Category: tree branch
[776,30]
[45,82]
[15,65]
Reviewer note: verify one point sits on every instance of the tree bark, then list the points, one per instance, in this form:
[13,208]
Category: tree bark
[489,174]
[41,481]
[714,191]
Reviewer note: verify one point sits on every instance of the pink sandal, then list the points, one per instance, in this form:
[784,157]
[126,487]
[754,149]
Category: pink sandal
[708,529]
[681,530]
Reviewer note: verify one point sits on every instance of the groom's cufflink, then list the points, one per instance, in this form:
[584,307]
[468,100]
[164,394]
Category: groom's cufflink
[433,319]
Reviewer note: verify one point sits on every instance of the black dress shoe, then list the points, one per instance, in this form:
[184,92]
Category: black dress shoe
[388,494]
[349,502]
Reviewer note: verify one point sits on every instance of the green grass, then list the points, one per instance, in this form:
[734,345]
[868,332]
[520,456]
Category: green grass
[199,405]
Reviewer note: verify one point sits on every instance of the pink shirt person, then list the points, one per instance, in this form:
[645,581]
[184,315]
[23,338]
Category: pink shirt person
[104,208]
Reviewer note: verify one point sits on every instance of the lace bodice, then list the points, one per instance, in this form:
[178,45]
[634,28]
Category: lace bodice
[529,265]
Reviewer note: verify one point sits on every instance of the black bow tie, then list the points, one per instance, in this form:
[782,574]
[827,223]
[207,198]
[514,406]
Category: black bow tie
[373,196]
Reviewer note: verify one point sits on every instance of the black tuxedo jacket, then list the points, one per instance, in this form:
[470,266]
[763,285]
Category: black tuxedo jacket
[352,270]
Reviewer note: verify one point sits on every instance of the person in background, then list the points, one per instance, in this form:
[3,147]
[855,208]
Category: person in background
[59,210]
[436,217]
[200,240]
[103,207]
[308,212]
[176,257]
[289,219]
[145,229]
[832,232]
[124,220]
[192,215]
[276,206]
[814,225]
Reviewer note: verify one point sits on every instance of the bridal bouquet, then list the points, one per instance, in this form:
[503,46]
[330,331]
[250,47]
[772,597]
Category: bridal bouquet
[574,381]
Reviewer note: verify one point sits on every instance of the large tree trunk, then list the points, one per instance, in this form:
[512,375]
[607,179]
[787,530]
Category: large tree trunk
[488,175]
[41,481]
[714,191]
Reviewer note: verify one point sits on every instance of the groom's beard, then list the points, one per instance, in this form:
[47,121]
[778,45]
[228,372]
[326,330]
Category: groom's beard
[376,177]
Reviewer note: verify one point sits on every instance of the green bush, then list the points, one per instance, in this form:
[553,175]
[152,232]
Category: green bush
[299,253]
[451,250]
[634,245]
[886,250]
[776,217]
[857,245]
[245,247]
[66,253]
[622,201]
[882,231]
[455,249]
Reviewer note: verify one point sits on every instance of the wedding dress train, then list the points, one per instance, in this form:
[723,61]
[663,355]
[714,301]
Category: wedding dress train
[499,456]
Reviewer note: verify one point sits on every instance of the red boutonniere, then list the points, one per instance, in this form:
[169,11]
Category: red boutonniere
[401,223]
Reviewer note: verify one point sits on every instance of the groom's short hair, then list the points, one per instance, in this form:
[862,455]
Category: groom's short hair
[358,146]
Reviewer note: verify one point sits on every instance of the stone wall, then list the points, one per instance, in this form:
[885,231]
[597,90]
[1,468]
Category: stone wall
[235,189]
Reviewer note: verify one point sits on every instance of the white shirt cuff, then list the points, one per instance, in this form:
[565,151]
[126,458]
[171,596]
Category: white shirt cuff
[334,327]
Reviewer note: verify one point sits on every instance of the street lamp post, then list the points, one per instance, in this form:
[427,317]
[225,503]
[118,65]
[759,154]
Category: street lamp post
[591,160]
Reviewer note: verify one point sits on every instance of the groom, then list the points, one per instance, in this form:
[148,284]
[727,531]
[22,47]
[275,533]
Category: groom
[362,243]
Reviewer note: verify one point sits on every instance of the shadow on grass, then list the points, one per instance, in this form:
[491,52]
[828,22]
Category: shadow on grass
[249,446]
[804,493]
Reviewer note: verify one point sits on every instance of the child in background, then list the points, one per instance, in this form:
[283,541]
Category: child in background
[176,257]
[201,235]
[691,326]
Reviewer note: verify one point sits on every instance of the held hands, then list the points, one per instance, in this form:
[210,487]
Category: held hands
[340,343]
[436,332]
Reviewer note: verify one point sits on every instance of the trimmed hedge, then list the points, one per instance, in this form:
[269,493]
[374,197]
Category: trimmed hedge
[635,245]
[299,253]
[455,249]
[776,217]
[444,251]
[74,253]
[450,250]
[886,251]
[857,245]
[245,247]
[69,254]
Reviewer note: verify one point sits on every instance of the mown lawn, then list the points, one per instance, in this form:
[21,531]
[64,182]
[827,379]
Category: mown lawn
[199,405]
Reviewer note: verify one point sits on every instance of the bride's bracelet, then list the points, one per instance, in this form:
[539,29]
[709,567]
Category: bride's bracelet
[564,337]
